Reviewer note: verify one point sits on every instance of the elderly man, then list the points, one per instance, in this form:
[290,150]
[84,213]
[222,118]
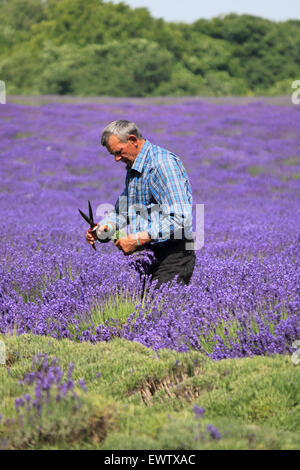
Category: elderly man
[156,204]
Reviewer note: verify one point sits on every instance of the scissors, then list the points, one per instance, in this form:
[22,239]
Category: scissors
[89,220]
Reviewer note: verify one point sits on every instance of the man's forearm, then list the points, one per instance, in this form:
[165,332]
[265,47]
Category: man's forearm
[143,238]
[132,242]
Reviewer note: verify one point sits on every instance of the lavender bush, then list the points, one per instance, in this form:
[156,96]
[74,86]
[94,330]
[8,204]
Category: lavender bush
[243,163]
[50,411]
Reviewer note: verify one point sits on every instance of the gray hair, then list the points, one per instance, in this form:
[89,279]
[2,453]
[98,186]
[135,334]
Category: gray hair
[122,129]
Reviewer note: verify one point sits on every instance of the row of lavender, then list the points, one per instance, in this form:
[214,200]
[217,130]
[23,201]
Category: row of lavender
[243,163]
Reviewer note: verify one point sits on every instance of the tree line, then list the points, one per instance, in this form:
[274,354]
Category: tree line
[95,47]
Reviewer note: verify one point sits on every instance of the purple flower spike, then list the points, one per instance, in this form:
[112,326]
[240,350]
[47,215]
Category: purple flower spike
[214,433]
[82,385]
[199,412]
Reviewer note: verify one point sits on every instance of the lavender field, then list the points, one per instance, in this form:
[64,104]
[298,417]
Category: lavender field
[243,163]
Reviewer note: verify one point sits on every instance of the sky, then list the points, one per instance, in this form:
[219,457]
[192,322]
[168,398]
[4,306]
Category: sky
[191,10]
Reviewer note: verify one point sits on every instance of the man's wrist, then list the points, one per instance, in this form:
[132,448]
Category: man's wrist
[142,238]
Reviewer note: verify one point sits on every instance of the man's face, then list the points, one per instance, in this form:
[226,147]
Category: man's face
[124,151]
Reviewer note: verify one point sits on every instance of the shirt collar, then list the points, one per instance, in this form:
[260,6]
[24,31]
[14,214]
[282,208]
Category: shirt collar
[140,159]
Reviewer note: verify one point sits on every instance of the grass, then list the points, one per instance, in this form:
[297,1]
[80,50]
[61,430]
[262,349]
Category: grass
[145,399]
[22,135]
[114,312]
[255,170]
[292,161]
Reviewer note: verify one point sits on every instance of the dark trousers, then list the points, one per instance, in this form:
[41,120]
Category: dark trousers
[172,259]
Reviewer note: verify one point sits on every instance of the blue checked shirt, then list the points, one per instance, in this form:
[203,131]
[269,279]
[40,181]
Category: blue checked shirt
[157,197]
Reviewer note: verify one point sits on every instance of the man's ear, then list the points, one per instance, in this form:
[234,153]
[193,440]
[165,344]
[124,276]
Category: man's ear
[133,139]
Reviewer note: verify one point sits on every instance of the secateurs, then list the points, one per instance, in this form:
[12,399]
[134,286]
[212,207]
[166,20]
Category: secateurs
[89,219]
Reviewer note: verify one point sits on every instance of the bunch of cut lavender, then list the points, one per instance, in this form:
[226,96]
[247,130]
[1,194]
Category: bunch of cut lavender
[142,261]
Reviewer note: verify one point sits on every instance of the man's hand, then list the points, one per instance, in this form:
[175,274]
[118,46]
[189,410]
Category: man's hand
[130,243]
[91,236]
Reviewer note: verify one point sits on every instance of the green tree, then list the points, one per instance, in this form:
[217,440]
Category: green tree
[181,82]
[101,47]
[16,20]
[134,68]
[207,54]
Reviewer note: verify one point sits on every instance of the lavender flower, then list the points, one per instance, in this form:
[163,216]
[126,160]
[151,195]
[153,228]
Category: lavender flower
[82,385]
[214,433]
[243,299]
[199,412]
